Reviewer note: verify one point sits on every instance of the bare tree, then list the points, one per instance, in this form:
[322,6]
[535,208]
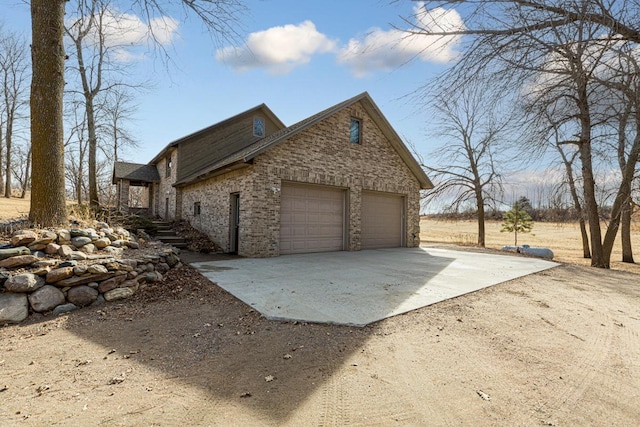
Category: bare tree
[117,110]
[465,167]
[565,42]
[14,74]
[47,86]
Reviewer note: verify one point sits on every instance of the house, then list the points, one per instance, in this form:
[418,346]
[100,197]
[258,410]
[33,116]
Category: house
[341,179]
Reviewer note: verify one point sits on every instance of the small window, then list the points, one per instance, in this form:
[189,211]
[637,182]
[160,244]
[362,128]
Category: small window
[196,209]
[355,131]
[258,127]
[168,171]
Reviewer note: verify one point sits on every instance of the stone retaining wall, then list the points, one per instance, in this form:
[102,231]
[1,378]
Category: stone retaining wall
[45,271]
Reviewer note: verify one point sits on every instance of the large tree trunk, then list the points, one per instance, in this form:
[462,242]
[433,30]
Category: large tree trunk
[47,85]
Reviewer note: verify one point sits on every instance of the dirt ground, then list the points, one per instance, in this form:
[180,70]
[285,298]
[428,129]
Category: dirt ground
[557,348]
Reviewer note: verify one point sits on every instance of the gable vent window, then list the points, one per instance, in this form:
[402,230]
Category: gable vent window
[355,131]
[196,209]
[258,127]
[168,173]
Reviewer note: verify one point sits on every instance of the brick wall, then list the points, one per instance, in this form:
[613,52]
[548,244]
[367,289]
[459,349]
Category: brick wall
[322,154]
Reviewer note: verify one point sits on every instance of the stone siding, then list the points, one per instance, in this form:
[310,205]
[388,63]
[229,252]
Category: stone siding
[166,189]
[321,154]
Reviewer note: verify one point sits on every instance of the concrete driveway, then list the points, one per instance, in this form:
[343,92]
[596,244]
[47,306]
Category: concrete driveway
[358,288]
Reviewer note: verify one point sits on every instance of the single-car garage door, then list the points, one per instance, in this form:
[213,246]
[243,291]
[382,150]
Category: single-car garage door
[382,220]
[311,219]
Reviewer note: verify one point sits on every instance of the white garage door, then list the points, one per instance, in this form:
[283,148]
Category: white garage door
[311,219]
[382,220]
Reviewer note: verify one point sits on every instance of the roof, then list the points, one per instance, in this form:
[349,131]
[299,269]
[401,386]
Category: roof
[135,172]
[266,110]
[248,153]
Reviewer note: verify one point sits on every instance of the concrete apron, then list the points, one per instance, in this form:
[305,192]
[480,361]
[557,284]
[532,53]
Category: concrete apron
[358,288]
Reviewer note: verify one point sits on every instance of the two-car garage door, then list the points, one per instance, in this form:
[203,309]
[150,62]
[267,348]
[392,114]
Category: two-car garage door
[312,219]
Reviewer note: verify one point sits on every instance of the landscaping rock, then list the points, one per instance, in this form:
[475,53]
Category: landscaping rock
[64,236]
[162,267]
[14,308]
[83,280]
[97,269]
[23,237]
[118,293]
[26,282]
[11,252]
[45,263]
[88,249]
[59,274]
[80,270]
[65,308]
[77,255]
[80,241]
[110,284]
[3,277]
[172,260]
[65,251]
[18,261]
[52,248]
[68,264]
[82,295]
[102,243]
[77,232]
[46,298]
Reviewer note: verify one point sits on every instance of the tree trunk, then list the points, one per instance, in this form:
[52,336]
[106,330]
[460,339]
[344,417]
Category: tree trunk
[47,138]
[623,198]
[481,230]
[93,152]
[8,142]
[625,230]
[586,251]
[27,177]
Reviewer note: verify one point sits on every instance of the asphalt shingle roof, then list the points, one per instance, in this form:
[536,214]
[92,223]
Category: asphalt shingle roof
[135,172]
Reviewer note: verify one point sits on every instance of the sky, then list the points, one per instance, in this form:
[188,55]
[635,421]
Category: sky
[296,59]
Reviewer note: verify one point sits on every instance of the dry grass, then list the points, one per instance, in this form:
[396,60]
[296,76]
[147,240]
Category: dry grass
[562,238]
[14,208]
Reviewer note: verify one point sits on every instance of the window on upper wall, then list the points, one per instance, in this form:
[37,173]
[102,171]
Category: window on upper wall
[258,127]
[355,131]
[196,209]
[169,165]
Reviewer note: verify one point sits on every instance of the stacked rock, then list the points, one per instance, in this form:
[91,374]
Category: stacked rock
[58,271]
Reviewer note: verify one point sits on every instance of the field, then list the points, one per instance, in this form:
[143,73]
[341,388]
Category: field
[562,238]
[13,208]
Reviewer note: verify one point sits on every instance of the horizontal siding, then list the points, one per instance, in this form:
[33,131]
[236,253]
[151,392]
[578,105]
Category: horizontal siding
[201,151]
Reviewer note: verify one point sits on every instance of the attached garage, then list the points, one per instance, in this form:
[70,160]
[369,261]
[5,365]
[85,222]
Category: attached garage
[382,219]
[312,218]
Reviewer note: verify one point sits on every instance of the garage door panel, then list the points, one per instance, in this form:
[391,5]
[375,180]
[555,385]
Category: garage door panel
[311,219]
[381,220]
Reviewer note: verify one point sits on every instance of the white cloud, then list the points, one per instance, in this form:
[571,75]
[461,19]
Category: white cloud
[278,49]
[125,33]
[387,50]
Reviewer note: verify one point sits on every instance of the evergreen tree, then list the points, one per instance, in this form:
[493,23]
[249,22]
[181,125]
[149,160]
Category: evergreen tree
[517,220]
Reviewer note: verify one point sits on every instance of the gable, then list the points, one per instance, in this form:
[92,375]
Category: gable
[325,148]
[200,151]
